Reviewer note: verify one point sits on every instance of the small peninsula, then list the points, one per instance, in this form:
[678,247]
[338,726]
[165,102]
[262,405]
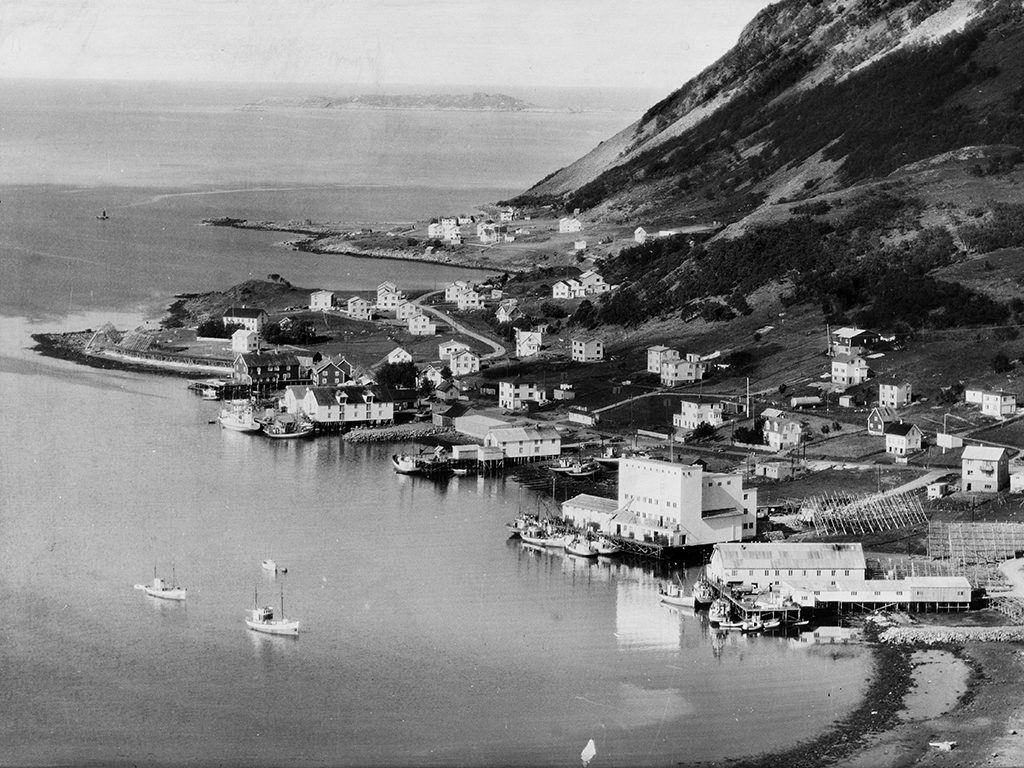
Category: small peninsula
[464,102]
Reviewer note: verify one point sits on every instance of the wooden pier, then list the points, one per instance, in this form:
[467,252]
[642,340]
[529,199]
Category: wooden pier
[749,608]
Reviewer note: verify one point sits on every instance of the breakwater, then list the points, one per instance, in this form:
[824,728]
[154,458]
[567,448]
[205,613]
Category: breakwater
[397,434]
[943,635]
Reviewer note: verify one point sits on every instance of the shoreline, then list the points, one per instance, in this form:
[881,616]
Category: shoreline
[312,235]
[48,345]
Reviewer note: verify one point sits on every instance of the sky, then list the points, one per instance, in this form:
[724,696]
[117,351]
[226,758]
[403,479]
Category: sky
[650,44]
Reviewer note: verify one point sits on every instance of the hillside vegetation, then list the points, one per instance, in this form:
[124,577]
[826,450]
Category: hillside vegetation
[831,93]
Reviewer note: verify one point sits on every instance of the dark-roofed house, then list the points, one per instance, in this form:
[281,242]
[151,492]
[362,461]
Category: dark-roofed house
[444,415]
[268,370]
[878,418]
[250,318]
[902,438]
[332,373]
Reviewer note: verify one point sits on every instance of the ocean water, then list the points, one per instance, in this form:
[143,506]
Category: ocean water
[428,637]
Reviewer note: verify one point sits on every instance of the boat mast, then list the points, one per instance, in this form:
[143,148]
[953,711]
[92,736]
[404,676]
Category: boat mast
[282,602]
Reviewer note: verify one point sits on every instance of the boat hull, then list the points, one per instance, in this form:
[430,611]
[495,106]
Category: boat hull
[167,594]
[579,551]
[288,628]
[275,435]
[685,601]
[238,426]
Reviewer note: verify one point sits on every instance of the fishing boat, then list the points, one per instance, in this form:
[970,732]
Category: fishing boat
[460,471]
[239,417]
[261,619]
[162,589]
[581,547]
[752,625]
[522,523]
[584,469]
[673,595]
[606,547]
[410,464]
[209,393]
[538,536]
[719,612]
[730,625]
[563,465]
[404,464]
[103,216]
[281,428]
[703,592]
[771,624]
[271,566]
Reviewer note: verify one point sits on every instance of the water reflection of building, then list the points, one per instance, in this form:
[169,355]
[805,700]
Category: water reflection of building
[641,622]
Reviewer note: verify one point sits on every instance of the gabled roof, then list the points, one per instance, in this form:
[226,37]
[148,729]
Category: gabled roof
[900,428]
[982,453]
[521,434]
[885,414]
[779,555]
[268,358]
[847,359]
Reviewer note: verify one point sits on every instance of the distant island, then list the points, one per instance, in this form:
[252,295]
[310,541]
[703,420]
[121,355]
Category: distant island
[476,102]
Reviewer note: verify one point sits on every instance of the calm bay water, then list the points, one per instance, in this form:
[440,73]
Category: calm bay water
[428,638]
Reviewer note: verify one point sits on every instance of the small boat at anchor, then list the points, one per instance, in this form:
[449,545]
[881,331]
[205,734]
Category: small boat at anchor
[271,566]
[261,619]
[163,590]
[103,216]
[209,393]
[771,624]
[752,625]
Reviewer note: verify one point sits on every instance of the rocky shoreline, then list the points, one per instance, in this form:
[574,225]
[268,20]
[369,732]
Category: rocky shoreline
[396,434]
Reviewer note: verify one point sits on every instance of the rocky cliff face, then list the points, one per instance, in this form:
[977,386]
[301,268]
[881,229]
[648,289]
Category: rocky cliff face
[814,96]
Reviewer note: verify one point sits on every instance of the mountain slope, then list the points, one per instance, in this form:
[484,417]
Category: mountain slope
[815,96]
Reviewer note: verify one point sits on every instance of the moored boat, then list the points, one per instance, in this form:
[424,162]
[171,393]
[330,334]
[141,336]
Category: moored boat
[584,469]
[606,547]
[404,464]
[771,624]
[162,589]
[261,619]
[271,566]
[752,625]
[703,592]
[673,595]
[209,393]
[281,428]
[581,547]
[719,612]
[239,417]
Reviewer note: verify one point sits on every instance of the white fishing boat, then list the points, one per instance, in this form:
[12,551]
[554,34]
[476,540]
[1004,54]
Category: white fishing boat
[410,464]
[162,589]
[271,566]
[404,464]
[752,625]
[261,619]
[581,547]
[719,612]
[461,471]
[771,624]
[606,547]
[239,417]
[673,595]
[209,393]
[584,469]
[564,464]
